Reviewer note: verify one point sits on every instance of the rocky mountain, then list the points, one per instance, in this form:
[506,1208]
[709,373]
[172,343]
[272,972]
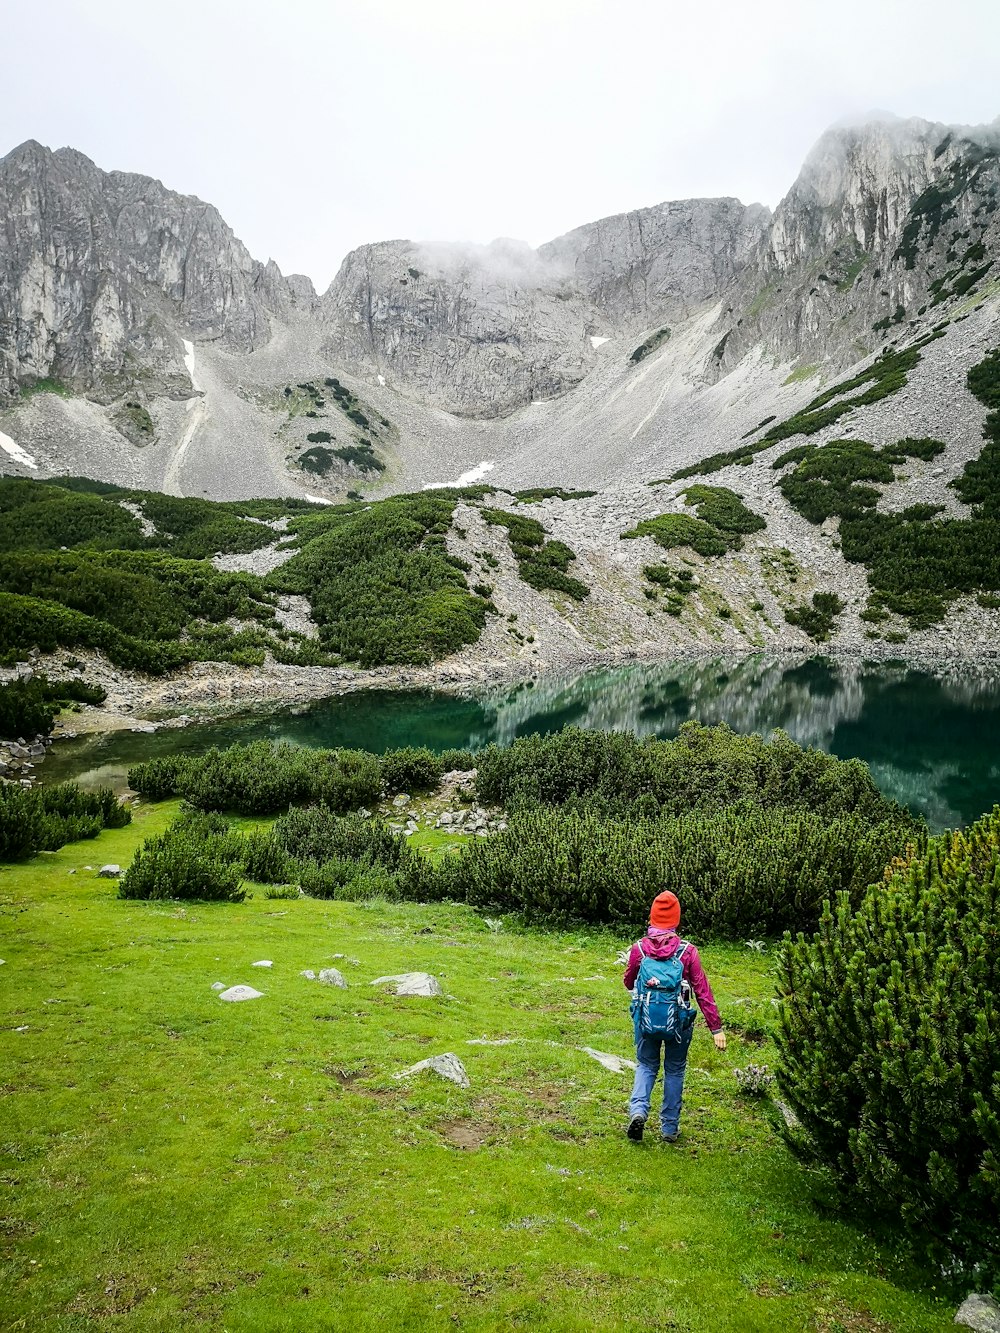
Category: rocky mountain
[141,343]
[101,273]
[886,223]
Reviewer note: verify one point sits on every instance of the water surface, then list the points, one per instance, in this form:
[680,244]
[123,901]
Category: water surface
[931,736]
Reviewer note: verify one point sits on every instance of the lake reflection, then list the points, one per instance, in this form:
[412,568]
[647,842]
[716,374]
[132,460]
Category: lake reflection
[931,736]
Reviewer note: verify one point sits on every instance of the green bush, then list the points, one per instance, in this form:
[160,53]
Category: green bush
[737,871]
[319,834]
[652,343]
[671,530]
[30,705]
[703,768]
[890,1047]
[414,768]
[43,819]
[725,510]
[175,865]
[457,761]
[819,618]
[380,582]
[541,564]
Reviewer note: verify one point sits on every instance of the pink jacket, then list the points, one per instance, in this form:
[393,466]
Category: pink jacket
[659,943]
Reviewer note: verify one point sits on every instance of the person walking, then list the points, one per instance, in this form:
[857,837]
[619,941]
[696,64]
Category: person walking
[661,972]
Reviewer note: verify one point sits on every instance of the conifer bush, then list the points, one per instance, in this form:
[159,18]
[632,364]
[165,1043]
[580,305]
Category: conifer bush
[175,865]
[43,819]
[737,871]
[412,768]
[889,1040]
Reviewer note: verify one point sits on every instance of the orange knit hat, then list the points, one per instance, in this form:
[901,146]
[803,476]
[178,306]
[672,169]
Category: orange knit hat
[665,911]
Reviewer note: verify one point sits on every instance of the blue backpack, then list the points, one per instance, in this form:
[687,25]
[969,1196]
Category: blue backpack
[661,999]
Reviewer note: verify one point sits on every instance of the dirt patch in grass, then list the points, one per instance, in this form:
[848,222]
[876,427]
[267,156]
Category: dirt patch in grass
[115,1294]
[840,1318]
[464,1134]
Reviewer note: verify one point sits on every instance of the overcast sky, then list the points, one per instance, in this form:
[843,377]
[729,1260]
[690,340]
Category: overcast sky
[317,125]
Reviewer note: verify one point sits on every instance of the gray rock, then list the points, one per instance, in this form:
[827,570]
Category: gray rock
[449,1066]
[235,994]
[264,962]
[37,751]
[218,985]
[309,974]
[18,751]
[979,1312]
[329,976]
[411,983]
[109,872]
[127,268]
[616,1064]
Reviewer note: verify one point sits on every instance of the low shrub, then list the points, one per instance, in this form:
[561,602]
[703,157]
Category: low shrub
[702,768]
[43,819]
[889,1041]
[30,705]
[318,835]
[414,768]
[736,871]
[817,618]
[263,778]
[175,865]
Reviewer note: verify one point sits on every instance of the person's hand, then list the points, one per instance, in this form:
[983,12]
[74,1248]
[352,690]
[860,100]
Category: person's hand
[720,1040]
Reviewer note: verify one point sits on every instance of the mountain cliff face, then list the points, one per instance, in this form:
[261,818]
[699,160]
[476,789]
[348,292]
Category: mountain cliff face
[626,347]
[886,222]
[483,330]
[477,330]
[103,274]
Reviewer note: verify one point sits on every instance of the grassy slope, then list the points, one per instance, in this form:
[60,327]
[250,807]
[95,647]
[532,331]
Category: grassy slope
[169,1161]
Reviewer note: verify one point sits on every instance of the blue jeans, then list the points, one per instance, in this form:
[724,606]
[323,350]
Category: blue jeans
[647,1053]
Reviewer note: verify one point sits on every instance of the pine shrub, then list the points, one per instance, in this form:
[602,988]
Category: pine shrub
[413,768]
[737,871]
[43,819]
[890,1046]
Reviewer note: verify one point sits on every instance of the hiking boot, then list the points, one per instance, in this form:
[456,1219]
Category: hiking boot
[669,1138]
[635,1127]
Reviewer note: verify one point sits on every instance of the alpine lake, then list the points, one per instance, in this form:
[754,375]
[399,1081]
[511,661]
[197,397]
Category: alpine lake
[930,733]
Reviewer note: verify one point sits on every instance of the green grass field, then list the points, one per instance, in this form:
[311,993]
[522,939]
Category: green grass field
[172,1162]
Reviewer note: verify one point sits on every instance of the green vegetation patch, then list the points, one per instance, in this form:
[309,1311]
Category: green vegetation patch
[916,561]
[269,1168]
[42,819]
[652,343]
[536,493]
[887,374]
[380,582]
[723,520]
[29,705]
[890,1054]
[936,205]
[673,530]
[817,618]
[725,510]
[541,564]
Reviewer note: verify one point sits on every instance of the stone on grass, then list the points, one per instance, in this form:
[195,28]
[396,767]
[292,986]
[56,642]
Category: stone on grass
[979,1312]
[615,1064]
[449,1066]
[411,983]
[309,974]
[237,993]
[492,1041]
[791,1120]
[218,985]
[264,962]
[109,872]
[329,976]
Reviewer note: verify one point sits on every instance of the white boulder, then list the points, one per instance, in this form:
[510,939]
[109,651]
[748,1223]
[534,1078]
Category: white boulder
[449,1066]
[237,993]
